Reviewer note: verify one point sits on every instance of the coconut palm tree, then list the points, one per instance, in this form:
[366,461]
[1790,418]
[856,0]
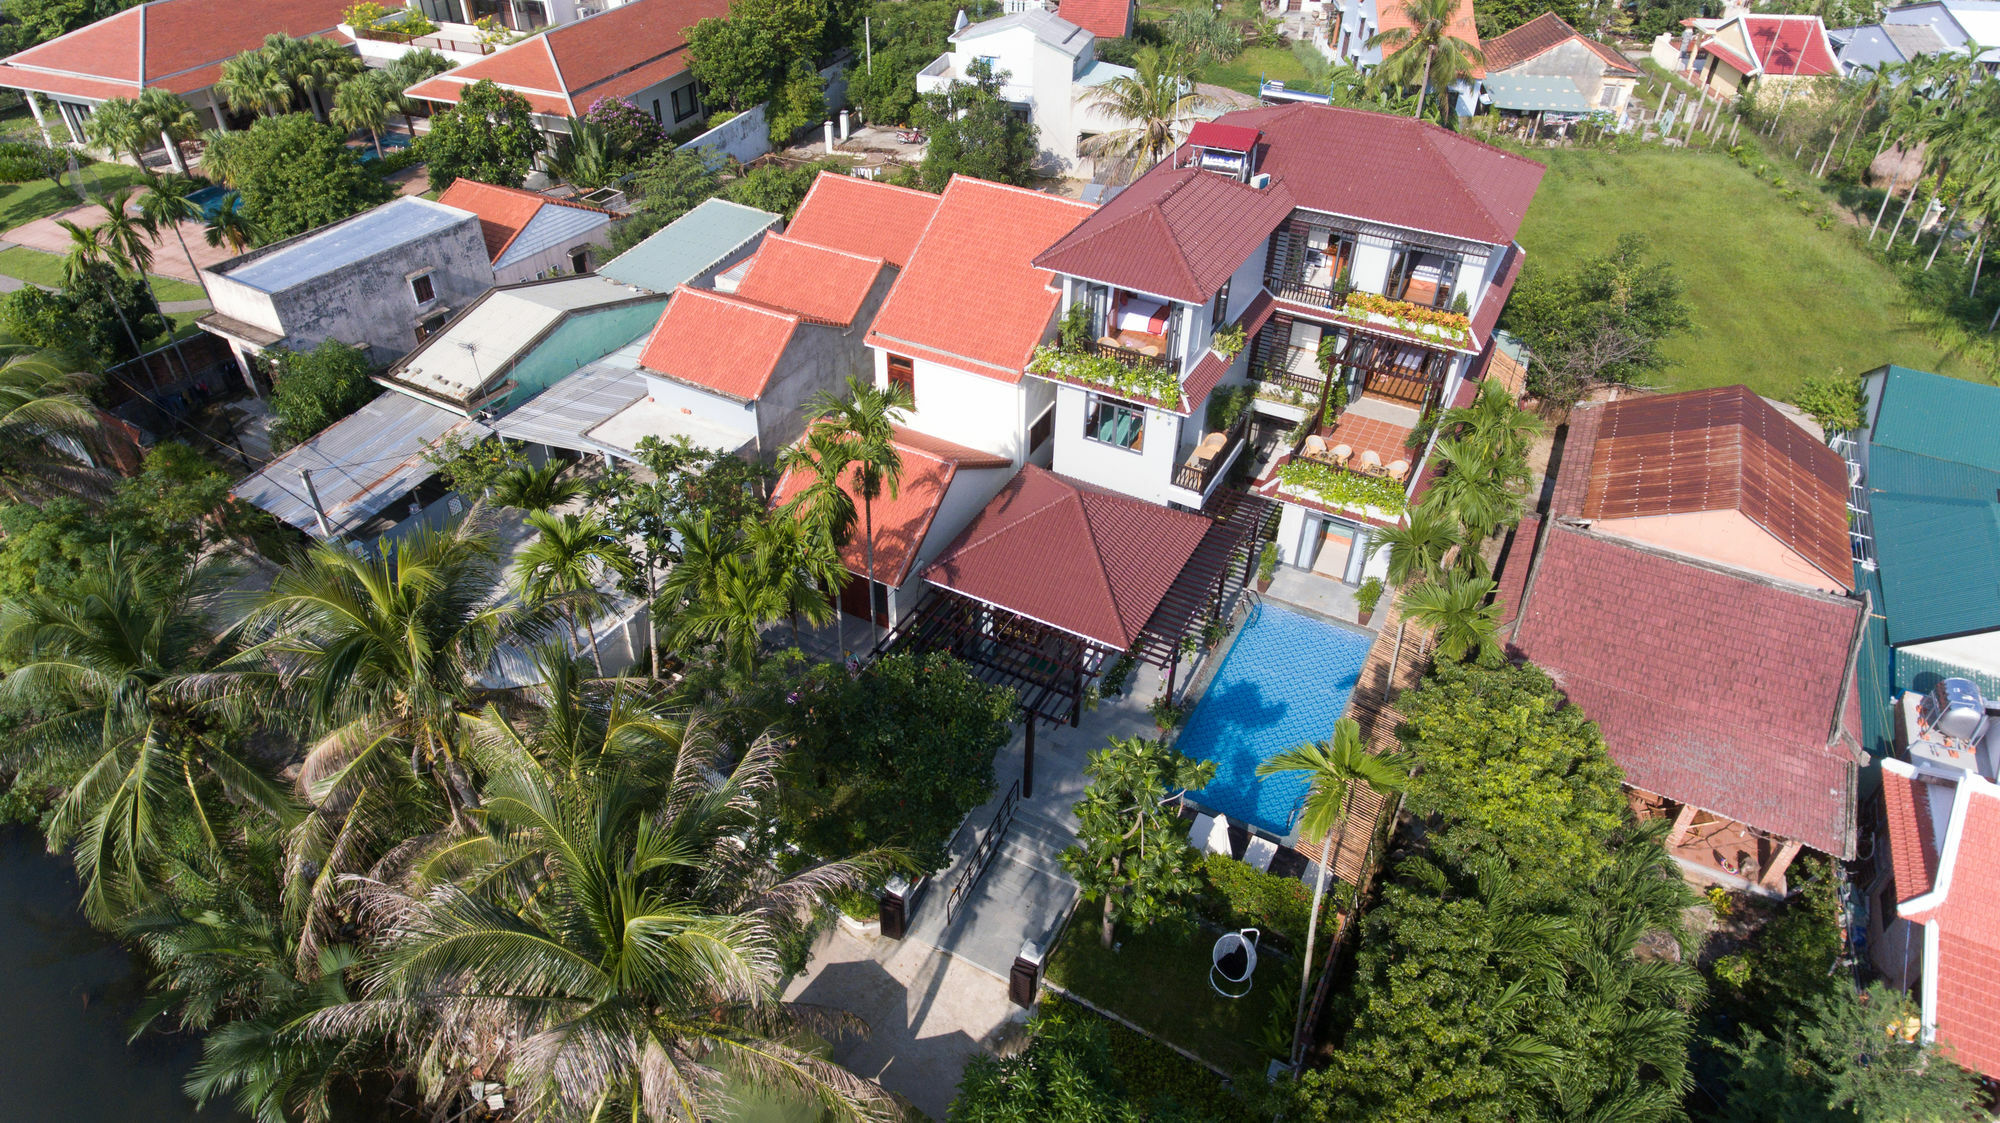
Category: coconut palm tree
[536,489]
[50,432]
[609,944]
[1424,53]
[118,127]
[362,104]
[866,418]
[134,667]
[171,119]
[1456,611]
[742,599]
[1418,547]
[1332,769]
[1158,103]
[822,460]
[165,205]
[90,261]
[251,83]
[128,242]
[322,66]
[570,555]
[1495,424]
[232,225]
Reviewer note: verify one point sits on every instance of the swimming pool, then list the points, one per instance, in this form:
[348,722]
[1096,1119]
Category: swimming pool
[1283,682]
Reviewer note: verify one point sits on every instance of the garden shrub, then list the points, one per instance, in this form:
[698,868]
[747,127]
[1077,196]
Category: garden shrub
[1157,1079]
[1234,895]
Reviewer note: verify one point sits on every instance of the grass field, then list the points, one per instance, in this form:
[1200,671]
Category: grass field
[45,269]
[25,202]
[1241,73]
[1775,297]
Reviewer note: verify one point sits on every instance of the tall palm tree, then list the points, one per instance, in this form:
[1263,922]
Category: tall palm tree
[165,205]
[742,598]
[1476,487]
[171,119]
[563,565]
[324,66]
[89,261]
[1423,52]
[362,105]
[866,418]
[800,562]
[1495,424]
[1332,769]
[250,83]
[1417,549]
[132,662]
[609,943]
[50,432]
[1158,103]
[822,460]
[1455,609]
[118,127]
[233,225]
[128,241]
[536,489]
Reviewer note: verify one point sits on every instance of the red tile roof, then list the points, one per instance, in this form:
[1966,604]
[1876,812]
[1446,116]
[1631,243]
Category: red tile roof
[1736,62]
[1065,553]
[823,285]
[564,70]
[1722,449]
[503,211]
[176,45]
[1106,19]
[1712,688]
[718,342]
[1541,35]
[864,216]
[1462,26]
[971,297]
[1228,138]
[1913,841]
[1963,909]
[1790,45]
[1180,235]
[902,520]
[1515,564]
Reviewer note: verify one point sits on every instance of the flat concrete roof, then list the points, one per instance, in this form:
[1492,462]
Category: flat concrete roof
[343,244]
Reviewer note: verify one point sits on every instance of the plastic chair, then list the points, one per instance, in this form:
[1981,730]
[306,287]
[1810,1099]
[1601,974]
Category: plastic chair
[1342,452]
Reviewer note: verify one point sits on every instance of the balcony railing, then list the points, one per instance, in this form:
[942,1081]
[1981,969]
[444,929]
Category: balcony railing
[1319,296]
[1201,472]
[1285,376]
[1128,355]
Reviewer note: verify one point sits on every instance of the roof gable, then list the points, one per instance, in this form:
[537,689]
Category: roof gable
[1181,236]
[1715,450]
[1106,19]
[718,342]
[1542,34]
[1043,24]
[613,53]
[177,45]
[1787,46]
[1069,555]
[971,296]
[864,216]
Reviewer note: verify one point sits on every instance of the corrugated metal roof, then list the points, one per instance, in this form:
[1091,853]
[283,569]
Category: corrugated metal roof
[552,227]
[346,243]
[1531,92]
[359,464]
[560,415]
[1940,564]
[476,349]
[1938,417]
[690,245]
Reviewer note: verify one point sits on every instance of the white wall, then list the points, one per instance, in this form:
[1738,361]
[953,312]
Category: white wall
[968,409]
[1979,653]
[1145,474]
[714,408]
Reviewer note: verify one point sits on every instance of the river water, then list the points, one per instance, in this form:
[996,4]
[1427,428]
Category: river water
[66,996]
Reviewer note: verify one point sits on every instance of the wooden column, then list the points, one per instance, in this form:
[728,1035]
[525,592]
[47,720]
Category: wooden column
[1779,864]
[1682,822]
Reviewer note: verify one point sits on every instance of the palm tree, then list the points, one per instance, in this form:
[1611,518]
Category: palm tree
[536,489]
[362,105]
[49,429]
[132,663]
[610,941]
[1424,52]
[563,565]
[585,156]
[233,225]
[825,502]
[800,562]
[1495,424]
[866,420]
[322,65]
[128,242]
[741,600]
[117,126]
[171,119]
[1476,488]
[1455,609]
[1332,768]
[1158,103]
[89,261]
[250,83]
[165,205]
[1417,548]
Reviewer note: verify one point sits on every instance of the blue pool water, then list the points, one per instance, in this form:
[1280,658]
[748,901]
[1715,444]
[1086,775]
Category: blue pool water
[1285,681]
[210,199]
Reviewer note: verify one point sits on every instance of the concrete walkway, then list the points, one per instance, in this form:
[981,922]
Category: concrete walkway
[168,259]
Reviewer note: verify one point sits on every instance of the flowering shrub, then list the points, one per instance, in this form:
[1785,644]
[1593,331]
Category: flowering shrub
[1408,316]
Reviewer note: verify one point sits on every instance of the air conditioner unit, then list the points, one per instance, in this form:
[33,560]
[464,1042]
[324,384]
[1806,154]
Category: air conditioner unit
[1261,180]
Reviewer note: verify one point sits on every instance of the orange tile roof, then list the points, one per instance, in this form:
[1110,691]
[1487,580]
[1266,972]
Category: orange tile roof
[718,342]
[564,70]
[902,520]
[820,284]
[1541,35]
[503,211]
[971,297]
[1462,26]
[1106,19]
[176,45]
[864,216]
[1913,841]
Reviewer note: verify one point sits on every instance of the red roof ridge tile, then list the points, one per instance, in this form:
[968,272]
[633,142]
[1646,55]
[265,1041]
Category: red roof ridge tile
[963,455]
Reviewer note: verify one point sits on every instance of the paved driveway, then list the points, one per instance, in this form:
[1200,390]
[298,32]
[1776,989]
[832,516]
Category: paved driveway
[168,259]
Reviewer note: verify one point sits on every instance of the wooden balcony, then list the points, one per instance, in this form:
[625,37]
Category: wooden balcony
[1130,356]
[1207,461]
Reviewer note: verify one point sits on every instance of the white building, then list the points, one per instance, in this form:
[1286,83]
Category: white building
[1047,67]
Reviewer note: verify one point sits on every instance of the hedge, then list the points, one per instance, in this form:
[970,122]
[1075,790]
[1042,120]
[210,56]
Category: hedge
[1153,1074]
[1234,895]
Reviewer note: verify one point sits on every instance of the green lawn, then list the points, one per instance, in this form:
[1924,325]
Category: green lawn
[1241,73]
[45,269]
[1160,981]
[1775,297]
[25,202]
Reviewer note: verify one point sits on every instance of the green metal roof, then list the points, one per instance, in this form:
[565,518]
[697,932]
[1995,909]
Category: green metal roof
[689,246]
[1528,93]
[1939,418]
[1939,560]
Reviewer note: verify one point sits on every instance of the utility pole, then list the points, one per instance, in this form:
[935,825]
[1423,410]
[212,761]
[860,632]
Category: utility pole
[868,42]
[312,497]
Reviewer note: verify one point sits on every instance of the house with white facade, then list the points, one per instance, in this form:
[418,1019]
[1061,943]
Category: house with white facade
[1341,29]
[1358,262]
[1048,68]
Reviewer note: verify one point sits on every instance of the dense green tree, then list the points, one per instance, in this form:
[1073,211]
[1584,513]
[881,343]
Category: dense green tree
[1513,768]
[1065,1073]
[1132,852]
[670,184]
[296,174]
[973,131]
[313,389]
[1497,17]
[1834,400]
[780,188]
[489,136]
[904,36]
[798,102]
[84,320]
[895,756]
[761,47]
[1600,323]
